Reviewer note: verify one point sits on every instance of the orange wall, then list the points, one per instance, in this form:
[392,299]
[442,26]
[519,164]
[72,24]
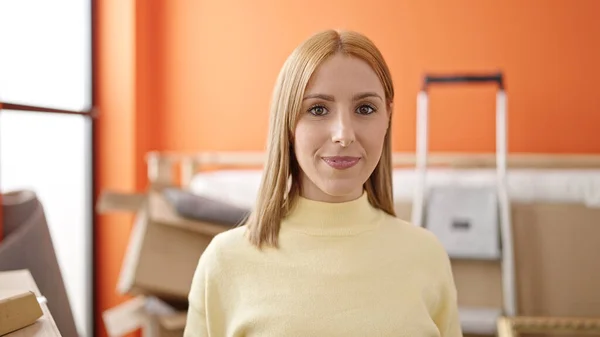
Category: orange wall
[198,75]
[115,139]
[220,60]
[125,90]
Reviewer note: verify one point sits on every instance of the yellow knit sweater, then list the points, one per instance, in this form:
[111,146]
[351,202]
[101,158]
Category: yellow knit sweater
[342,269]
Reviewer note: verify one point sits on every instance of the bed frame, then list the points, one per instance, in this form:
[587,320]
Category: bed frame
[178,169]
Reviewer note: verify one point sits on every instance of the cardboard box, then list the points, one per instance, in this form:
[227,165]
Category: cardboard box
[154,317]
[556,261]
[164,248]
[21,313]
[166,325]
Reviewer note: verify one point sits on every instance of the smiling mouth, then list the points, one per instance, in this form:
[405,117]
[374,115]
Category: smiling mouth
[341,163]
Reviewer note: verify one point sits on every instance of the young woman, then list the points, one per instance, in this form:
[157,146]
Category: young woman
[323,253]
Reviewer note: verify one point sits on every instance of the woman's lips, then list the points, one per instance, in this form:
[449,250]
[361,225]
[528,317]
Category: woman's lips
[341,162]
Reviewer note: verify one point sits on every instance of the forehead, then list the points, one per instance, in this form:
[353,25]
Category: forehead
[341,74]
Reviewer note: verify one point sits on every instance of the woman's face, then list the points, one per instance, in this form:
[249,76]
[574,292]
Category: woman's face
[340,133]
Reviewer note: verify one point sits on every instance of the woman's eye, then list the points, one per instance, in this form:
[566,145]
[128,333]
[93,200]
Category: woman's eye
[318,110]
[365,110]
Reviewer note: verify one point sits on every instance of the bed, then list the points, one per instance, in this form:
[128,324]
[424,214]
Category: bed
[555,210]
[525,185]
[545,178]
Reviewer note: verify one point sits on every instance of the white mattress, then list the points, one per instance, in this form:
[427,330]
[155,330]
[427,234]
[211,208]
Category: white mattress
[240,187]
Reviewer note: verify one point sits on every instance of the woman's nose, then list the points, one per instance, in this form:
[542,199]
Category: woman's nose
[343,130]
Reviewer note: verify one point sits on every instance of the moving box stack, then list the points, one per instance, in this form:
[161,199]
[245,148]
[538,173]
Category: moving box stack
[171,231]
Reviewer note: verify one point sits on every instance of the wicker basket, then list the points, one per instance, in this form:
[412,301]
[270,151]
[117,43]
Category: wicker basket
[515,326]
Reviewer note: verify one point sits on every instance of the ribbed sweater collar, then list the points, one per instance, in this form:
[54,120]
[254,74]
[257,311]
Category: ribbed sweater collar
[333,219]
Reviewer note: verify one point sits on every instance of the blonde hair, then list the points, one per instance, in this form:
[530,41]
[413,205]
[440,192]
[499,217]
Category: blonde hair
[277,193]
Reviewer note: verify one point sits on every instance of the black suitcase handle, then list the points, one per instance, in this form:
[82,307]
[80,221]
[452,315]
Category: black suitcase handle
[463,79]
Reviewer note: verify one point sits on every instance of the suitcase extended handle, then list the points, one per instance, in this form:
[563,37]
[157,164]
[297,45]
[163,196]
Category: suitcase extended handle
[422,147]
[463,79]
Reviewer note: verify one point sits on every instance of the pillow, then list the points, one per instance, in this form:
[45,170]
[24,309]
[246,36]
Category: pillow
[201,208]
[236,187]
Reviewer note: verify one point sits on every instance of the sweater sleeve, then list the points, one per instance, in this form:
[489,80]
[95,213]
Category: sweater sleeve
[196,323]
[446,316]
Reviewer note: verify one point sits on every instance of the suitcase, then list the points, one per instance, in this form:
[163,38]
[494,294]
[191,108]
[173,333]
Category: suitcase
[471,222]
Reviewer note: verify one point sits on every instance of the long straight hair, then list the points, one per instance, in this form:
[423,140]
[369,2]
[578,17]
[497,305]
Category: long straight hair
[280,185]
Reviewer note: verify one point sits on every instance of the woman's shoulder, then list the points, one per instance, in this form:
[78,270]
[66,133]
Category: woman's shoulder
[226,247]
[230,237]
[417,237]
[228,241]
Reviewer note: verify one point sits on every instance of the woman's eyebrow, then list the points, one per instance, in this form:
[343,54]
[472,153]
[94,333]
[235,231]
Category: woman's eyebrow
[321,96]
[365,95]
